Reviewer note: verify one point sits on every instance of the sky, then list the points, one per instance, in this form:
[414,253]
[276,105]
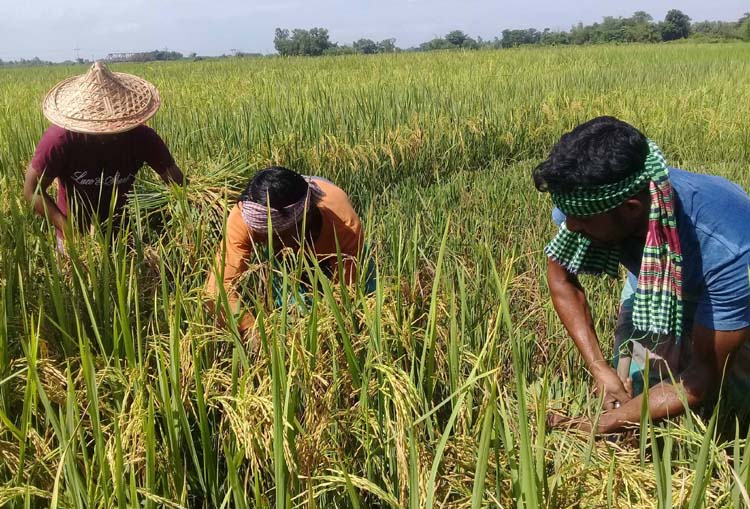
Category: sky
[53,29]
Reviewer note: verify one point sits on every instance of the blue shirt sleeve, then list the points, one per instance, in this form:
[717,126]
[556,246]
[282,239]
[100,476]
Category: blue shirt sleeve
[725,301]
[557,216]
[624,328]
[627,296]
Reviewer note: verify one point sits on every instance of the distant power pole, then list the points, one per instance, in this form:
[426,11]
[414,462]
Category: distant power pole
[78,53]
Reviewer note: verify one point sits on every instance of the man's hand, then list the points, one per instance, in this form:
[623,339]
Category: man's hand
[608,384]
[559,421]
[251,339]
[173,175]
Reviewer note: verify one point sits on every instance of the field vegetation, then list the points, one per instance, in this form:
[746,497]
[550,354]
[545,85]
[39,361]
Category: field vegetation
[117,389]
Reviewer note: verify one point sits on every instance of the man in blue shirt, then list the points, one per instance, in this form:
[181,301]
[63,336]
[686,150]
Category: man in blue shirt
[684,239]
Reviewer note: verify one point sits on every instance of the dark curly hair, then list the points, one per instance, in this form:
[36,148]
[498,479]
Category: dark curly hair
[281,185]
[601,151]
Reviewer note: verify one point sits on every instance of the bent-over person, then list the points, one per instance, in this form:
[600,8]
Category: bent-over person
[684,239]
[95,146]
[309,209]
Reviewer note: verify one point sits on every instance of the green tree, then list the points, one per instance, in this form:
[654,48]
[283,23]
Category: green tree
[641,28]
[642,32]
[550,38]
[283,42]
[470,43]
[338,49]
[676,25]
[312,42]
[611,29]
[642,17]
[366,46]
[744,27]
[387,46]
[456,37]
[715,29]
[435,44]
[580,34]
[512,38]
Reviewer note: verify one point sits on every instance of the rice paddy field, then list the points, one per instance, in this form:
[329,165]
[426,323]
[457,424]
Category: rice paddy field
[117,389]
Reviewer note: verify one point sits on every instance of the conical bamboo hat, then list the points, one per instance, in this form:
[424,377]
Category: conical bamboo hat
[101,101]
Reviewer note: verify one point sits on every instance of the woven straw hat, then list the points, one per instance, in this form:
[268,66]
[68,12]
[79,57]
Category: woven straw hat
[101,101]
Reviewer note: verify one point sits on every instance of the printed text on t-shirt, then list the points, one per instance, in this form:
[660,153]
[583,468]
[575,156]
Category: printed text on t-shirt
[109,180]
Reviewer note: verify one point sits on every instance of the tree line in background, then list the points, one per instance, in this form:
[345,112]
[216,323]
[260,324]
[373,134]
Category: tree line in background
[146,56]
[143,56]
[640,27]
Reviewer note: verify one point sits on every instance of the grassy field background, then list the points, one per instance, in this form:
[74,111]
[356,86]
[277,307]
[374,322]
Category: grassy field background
[117,389]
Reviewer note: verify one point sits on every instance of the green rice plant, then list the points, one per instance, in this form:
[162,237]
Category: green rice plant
[117,387]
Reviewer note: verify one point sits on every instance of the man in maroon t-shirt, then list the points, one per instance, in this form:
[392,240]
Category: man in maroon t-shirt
[95,147]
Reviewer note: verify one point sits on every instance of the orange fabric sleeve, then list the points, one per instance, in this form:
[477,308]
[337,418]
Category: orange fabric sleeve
[350,245]
[341,226]
[231,264]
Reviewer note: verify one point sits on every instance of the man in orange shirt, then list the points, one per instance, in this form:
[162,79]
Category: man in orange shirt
[294,204]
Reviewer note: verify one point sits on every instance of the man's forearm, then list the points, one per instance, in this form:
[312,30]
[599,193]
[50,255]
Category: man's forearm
[35,187]
[663,401]
[246,320]
[46,207]
[570,303]
[174,175]
[711,352]
[572,307]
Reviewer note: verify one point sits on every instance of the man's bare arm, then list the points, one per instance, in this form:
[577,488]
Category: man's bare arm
[35,191]
[246,318]
[712,351]
[569,300]
[174,175]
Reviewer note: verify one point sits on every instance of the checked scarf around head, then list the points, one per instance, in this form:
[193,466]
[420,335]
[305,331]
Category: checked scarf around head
[256,215]
[658,300]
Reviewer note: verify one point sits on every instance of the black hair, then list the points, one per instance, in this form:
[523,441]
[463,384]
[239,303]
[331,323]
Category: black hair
[601,151]
[281,186]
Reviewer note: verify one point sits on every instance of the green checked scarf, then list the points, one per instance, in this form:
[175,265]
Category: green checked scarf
[658,298]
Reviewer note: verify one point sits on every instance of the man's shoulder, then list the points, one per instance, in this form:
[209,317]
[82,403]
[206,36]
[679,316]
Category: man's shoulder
[704,184]
[56,135]
[712,211]
[327,186]
[336,206]
[705,197]
[235,223]
[142,129]
[55,145]
[144,132]
[334,197]
[238,234]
